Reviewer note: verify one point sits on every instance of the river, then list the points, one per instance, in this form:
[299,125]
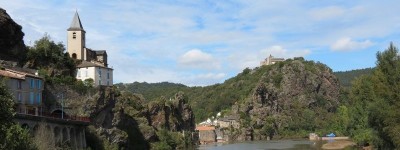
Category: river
[266,145]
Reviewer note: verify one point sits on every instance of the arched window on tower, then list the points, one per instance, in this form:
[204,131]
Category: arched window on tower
[74,56]
[74,35]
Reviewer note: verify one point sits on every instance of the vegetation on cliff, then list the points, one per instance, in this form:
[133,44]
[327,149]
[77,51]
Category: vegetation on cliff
[121,120]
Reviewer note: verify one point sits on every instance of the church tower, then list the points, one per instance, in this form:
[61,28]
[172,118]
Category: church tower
[76,39]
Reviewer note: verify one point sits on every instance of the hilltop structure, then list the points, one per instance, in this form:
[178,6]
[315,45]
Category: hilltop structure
[271,60]
[94,63]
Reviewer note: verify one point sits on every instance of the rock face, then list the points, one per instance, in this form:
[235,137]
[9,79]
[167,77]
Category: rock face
[174,115]
[124,119]
[286,92]
[12,46]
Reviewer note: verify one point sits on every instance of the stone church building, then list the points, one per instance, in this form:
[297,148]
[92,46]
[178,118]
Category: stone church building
[94,62]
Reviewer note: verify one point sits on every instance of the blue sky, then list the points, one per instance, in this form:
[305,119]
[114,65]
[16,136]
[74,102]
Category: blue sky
[202,42]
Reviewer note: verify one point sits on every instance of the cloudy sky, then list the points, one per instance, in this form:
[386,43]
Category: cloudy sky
[202,42]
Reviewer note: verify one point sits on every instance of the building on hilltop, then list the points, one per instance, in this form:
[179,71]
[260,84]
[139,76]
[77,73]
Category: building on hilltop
[94,63]
[271,60]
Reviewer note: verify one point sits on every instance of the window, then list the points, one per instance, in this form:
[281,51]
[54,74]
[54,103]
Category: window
[74,56]
[108,83]
[99,72]
[32,83]
[31,97]
[39,98]
[99,82]
[19,97]
[39,84]
[108,75]
[78,74]
[19,84]
[74,35]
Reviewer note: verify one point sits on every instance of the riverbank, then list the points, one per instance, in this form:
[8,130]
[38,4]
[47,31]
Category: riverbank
[338,144]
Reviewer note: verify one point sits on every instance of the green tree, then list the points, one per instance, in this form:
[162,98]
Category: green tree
[12,136]
[48,55]
[375,100]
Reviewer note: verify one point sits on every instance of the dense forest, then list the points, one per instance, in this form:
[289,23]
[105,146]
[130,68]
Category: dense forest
[346,77]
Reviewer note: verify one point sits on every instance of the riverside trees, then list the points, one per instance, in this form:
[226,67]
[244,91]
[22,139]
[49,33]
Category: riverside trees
[375,100]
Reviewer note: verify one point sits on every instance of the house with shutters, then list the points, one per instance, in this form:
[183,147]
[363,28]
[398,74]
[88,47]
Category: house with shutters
[94,63]
[26,88]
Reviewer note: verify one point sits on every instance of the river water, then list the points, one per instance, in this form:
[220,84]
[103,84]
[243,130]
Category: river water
[266,145]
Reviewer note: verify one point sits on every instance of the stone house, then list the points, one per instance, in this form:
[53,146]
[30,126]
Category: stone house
[271,60]
[26,88]
[229,121]
[206,134]
[94,63]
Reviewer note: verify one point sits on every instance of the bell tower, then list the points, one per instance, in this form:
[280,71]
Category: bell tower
[76,39]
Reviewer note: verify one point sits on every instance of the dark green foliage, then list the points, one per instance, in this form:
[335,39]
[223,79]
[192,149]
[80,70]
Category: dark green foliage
[6,109]
[375,100]
[50,58]
[18,138]
[169,140]
[12,136]
[346,77]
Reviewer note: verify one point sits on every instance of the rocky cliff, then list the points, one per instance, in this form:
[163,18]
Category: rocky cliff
[291,96]
[122,120]
[12,46]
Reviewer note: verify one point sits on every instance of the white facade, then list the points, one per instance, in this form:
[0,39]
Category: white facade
[100,75]
[94,63]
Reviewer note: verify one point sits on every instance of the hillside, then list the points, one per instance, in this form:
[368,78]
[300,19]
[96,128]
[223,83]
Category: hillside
[209,100]
[152,91]
[346,77]
[291,98]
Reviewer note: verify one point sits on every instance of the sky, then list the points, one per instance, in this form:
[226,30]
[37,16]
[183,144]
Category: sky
[204,42]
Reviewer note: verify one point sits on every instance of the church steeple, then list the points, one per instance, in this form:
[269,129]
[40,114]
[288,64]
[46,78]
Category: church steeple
[76,24]
[76,39]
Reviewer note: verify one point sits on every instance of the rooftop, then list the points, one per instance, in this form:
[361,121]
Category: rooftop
[205,128]
[16,74]
[90,64]
[76,24]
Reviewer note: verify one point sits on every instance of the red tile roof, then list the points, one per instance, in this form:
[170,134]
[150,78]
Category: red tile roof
[205,128]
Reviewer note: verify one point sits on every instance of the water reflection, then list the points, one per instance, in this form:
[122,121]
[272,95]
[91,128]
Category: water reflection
[267,145]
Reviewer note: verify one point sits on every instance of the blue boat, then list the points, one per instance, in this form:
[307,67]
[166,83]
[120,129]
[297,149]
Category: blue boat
[331,135]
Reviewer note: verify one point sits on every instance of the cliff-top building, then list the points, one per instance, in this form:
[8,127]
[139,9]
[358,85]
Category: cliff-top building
[271,60]
[94,62]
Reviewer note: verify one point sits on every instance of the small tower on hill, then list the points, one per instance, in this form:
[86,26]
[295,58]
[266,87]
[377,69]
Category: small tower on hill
[76,39]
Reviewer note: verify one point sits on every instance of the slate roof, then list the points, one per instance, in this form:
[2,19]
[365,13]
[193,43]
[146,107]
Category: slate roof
[76,24]
[90,64]
[101,52]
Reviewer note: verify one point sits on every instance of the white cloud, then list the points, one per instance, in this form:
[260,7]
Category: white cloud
[347,44]
[149,40]
[198,59]
[279,51]
[327,12]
